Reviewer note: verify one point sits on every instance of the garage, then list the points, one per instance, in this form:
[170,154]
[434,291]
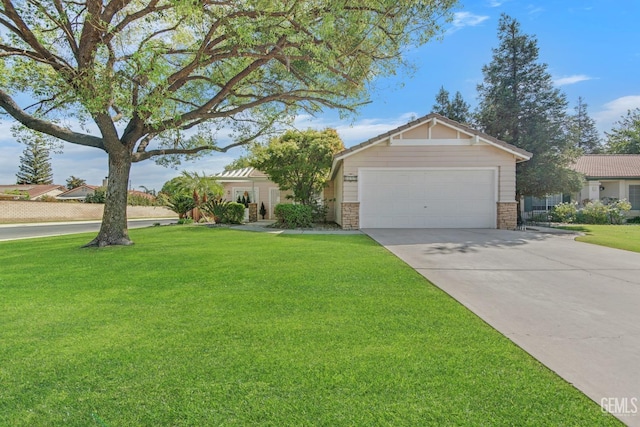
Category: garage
[432,172]
[428,198]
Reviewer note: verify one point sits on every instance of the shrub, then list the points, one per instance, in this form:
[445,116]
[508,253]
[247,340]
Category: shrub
[634,220]
[294,216]
[617,210]
[47,198]
[140,200]
[595,213]
[564,212]
[181,204]
[320,209]
[185,221]
[223,212]
[98,196]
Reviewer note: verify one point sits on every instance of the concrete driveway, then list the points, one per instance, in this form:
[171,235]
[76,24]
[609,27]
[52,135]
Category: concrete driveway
[573,306]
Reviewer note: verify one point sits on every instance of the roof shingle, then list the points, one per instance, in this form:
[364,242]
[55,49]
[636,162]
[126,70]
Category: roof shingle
[609,165]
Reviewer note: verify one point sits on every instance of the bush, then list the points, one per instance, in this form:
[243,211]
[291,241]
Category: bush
[617,210]
[181,204]
[634,220]
[294,216]
[223,212]
[98,196]
[564,212]
[140,200]
[47,198]
[595,213]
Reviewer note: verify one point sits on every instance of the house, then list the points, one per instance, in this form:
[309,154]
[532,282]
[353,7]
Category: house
[430,173]
[254,184]
[78,193]
[34,191]
[610,176]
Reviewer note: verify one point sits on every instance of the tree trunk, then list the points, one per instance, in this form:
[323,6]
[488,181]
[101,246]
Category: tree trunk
[114,219]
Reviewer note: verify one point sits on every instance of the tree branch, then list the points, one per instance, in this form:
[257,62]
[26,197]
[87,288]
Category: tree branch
[9,105]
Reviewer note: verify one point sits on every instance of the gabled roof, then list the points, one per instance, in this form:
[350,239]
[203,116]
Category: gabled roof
[609,165]
[33,190]
[70,194]
[240,175]
[519,153]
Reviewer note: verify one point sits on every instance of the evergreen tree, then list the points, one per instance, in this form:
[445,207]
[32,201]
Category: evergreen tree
[582,131]
[74,182]
[455,109]
[35,163]
[624,138]
[519,105]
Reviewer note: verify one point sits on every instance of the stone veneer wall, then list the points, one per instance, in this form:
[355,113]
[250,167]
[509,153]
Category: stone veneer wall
[350,215]
[507,215]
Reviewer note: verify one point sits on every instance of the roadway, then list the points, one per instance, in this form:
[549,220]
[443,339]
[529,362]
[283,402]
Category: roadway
[27,231]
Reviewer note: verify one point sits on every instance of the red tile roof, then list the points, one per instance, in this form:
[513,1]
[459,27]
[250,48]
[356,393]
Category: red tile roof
[609,165]
[34,190]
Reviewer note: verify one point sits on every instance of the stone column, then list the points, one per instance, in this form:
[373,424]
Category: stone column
[253,212]
[350,215]
[507,215]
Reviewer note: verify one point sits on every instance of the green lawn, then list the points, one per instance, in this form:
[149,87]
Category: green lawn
[202,327]
[614,236]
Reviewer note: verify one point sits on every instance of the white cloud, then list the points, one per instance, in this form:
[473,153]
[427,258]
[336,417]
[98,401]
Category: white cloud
[358,131]
[496,3]
[466,19]
[614,110]
[569,80]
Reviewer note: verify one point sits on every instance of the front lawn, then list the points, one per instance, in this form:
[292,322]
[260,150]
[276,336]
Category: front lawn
[614,236]
[202,327]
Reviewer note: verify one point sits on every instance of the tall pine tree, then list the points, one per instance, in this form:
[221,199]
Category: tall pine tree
[582,131]
[455,109]
[35,163]
[518,104]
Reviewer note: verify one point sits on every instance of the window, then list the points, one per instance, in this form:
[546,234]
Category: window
[634,197]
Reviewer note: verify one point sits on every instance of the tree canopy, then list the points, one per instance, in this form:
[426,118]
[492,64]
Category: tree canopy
[582,132]
[455,108]
[519,105]
[168,78]
[299,161]
[74,182]
[624,138]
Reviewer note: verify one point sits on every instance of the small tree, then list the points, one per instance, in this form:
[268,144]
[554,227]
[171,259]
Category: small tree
[300,161]
[35,163]
[75,182]
[624,138]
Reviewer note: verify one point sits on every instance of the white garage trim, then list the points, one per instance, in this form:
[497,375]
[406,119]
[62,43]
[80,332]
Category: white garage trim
[401,197]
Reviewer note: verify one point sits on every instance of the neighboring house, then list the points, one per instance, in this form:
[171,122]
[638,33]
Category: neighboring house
[78,193]
[430,173]
[255,184]
[35,191]
[610,176]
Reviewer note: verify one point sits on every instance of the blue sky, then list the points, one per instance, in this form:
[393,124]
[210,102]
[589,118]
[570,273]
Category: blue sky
[591,48]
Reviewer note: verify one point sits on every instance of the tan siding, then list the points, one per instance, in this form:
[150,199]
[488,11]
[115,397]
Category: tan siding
[443,132]
[383,155]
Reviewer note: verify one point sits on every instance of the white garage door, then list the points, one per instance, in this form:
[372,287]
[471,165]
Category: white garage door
[427,198]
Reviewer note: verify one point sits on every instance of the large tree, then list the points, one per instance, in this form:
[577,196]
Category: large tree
[581,130]
[519,105]
[299,161]
[35,162]
[170,77]
[455,108]
[624,137]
